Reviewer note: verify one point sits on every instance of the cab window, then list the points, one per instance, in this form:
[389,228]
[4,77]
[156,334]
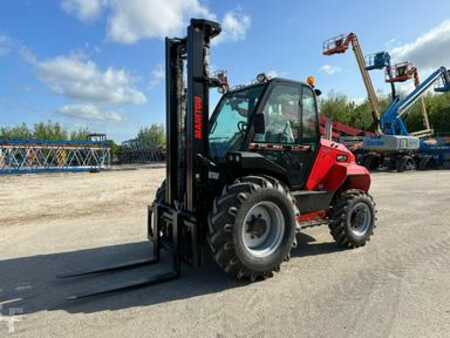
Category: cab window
[308,116]
[282,116]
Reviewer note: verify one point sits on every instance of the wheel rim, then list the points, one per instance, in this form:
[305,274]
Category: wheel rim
[360,219]
[263,229]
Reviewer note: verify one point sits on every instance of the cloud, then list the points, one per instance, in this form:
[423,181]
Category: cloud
[329,69]
[88,112]
[359,100]
[404,88]
[234,27]
[429,50]
[79,78]
[273,73]
[391,44]
[85,10]
[157,76]
[133,20]
[5,45]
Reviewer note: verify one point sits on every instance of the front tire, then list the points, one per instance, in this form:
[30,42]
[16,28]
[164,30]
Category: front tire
[352,218]
[161,192]
[252,227]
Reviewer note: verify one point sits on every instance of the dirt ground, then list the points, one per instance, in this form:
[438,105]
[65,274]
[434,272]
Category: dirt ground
[398,285]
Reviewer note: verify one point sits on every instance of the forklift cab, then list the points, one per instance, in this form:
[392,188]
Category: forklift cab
[277,119]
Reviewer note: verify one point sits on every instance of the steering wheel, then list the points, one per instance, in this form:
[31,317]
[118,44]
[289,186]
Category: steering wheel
[242,126]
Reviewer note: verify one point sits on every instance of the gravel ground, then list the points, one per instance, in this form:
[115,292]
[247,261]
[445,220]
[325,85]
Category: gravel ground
[397,286]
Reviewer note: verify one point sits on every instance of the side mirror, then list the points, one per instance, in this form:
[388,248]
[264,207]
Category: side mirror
[259,123]
[318,92]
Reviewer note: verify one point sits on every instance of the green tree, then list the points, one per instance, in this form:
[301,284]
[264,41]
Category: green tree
[337,107]
[49,131]
[80,134]
[21,132]
[340,109]
[152,136]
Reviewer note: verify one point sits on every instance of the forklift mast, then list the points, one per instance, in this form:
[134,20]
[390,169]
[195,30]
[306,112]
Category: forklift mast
[187,112]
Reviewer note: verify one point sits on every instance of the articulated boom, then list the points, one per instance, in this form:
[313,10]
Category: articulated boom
[339,45]
[391,121]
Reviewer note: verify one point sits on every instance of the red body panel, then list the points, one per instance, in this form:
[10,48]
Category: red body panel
[322,214]
[335,166]
[340,129]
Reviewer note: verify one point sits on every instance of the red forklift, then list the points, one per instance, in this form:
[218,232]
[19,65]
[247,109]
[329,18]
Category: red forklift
[242,182]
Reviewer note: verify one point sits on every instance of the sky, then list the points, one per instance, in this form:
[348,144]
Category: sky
[100,63]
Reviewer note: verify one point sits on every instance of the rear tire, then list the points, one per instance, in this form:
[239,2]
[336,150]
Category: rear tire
[252,227]
[352,219]
[425,163]
[405,163]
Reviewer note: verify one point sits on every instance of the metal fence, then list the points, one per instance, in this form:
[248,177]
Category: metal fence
[133,151]
[21,157]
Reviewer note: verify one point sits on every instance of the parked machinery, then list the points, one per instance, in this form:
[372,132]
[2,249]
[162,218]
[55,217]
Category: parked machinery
[393,146]
[407,150]
[400,73]
[135,151]
[242,182]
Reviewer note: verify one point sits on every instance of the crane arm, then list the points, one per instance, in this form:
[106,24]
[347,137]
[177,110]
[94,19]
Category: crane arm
[339,45]
[418,92]
[426,121]
[391,122]
[373,99]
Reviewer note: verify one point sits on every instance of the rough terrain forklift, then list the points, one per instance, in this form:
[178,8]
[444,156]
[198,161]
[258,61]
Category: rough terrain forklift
[242,182]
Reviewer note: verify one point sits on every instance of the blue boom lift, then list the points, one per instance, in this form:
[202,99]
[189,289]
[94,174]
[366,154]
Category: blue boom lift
[396,147]
[393,146]
[400,72]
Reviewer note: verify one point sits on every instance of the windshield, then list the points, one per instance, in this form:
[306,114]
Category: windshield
[229,125]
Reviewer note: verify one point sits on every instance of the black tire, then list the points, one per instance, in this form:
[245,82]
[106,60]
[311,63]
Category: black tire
[159,197]
[226,222]
[341,218]
[445,165]
[405,163]
[161,192]
[371,162]
[425,163]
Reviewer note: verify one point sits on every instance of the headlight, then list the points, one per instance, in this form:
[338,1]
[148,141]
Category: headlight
[342,158]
